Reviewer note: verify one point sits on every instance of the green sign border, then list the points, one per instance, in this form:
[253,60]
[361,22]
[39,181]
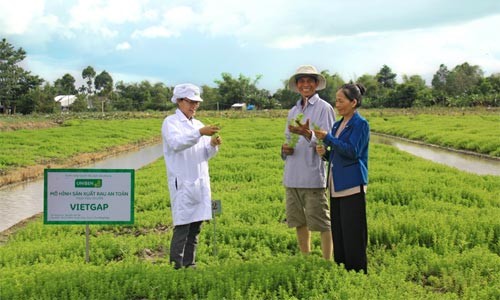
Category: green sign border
[45,193]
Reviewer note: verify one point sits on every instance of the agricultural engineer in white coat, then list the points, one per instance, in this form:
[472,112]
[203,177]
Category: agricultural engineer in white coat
[187,147]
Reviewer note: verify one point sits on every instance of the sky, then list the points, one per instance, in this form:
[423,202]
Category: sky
[179,41]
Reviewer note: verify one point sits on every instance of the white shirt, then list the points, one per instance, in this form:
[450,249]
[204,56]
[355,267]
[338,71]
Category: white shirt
[186,154]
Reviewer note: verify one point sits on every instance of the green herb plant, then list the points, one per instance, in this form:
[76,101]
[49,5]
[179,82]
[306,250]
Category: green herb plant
[294,138]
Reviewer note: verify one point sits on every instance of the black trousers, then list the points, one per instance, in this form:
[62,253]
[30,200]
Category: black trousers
[349,230]
[183,244]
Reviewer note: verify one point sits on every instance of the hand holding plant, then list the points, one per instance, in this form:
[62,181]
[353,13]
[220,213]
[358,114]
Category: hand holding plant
[209,130]
[299,127]
[214,125]
[320,134]
[319,141]
[320,149]
[215,140]
[287,149]
[294,138]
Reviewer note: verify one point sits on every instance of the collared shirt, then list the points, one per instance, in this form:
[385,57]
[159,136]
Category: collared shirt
[305,168]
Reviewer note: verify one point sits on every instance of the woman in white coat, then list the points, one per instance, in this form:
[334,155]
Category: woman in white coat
[187,147]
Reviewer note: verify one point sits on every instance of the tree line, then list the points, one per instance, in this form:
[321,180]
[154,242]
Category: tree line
[22,92]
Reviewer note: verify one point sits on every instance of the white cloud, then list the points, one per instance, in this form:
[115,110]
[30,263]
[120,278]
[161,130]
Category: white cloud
[173,21]
[419,51]
[123,46]
[16,17]
[347,37]
[130,78]
[154,32]
[91,13]
[414,51]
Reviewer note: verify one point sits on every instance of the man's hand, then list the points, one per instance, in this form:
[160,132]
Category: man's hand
[287,150]
[209,130]
[301,129]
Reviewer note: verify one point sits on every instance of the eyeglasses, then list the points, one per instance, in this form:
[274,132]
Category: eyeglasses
[191,102]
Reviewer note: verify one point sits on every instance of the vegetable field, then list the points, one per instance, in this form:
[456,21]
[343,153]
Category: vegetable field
[434,233]
[476,130]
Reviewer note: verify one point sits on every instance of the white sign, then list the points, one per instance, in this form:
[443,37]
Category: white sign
[85,196]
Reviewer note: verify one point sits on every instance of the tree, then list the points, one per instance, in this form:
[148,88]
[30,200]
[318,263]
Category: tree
[285,96]
[80,103]
[104,86]
[160,97]
[439,79]
[372,97]
[27,82]
[65,85]
[439,85]
[14,80]
[240,90]
[40,100]
[89,74]
[421,94]
[333,83]
[402,96]
[386,78]
[463,79]
[210,97]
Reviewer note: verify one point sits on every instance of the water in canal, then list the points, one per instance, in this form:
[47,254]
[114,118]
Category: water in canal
[464,162]
[22,201]
[25,200]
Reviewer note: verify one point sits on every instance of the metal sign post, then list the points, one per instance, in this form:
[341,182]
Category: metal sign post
[87,243]
[216,210]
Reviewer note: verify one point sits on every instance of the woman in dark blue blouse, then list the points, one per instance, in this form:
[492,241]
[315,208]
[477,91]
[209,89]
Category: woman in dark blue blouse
[348,177]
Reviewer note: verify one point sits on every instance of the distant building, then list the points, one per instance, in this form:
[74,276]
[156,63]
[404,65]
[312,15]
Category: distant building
[239,106]
[65,100]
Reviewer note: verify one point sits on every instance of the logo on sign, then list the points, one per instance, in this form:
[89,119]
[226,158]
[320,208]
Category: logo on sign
[88,183]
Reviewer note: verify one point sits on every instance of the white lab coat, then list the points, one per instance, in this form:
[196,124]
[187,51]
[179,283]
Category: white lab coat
[186,155]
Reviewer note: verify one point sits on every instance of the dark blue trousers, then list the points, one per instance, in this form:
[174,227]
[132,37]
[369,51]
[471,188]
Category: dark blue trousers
[183,244]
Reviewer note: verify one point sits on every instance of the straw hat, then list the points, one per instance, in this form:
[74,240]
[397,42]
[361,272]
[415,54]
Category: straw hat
[303,71]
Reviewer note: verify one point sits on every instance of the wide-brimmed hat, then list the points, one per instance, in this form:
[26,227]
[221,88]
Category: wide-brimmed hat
[306,70]
[186,90]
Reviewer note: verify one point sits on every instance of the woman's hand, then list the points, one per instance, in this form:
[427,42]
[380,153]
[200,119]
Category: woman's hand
[215,141]
[321,150]
[320,134]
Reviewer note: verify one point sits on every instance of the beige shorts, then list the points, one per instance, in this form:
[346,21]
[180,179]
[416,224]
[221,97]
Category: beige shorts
[307,207]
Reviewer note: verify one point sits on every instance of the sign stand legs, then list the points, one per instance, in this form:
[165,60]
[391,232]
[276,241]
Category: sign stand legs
[216,209]
[87,242]
[215,239]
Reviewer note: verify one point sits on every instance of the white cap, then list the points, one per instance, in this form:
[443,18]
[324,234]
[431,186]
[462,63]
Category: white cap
[186,90]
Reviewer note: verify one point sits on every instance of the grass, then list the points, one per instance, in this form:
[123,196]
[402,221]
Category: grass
[430,236]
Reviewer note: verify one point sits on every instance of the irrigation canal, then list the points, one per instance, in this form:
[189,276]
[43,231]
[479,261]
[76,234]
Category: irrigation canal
[24,200]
